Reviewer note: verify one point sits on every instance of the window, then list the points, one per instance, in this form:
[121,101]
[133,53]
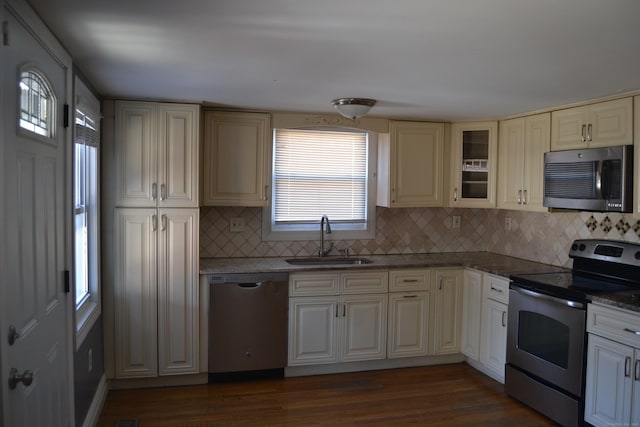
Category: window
[85,195]
[321,172]
[36,104]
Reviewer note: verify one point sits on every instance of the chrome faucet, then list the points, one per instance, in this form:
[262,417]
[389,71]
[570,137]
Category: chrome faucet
[324,219]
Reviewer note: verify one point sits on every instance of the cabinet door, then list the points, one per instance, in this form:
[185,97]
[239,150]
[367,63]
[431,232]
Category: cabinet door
[474,157]
[313,330]
[178,130]
[135,293]
[494,337]
[568,128]
[471,314]
[608,383]
[511,160]
[237,151]
[178,328]
[136,154]
[416,162]
[364,329]
[447,311]
[611,123]
[536,142]
[408,324]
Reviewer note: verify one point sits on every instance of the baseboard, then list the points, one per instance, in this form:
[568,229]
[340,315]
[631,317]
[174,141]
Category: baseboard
[93,415]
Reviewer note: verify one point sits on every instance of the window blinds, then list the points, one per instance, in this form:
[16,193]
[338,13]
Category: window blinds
[319,173]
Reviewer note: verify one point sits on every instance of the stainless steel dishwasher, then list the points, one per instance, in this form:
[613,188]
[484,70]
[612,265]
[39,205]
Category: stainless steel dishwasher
[248,316]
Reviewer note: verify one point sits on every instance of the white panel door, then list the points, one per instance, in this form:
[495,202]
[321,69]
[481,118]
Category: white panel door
[33,257]
[471,314]
[364,331]
[447,311]
[135,293]
[178,291]
[494,336]
[408,324]
[313,330]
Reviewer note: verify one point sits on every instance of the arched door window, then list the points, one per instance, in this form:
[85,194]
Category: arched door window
[37,103]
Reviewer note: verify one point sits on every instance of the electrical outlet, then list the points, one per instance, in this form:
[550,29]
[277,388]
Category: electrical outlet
[236,225]
[455,221]
[90,355]
[507,224]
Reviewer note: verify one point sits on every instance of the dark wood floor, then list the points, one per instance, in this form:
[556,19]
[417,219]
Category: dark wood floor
[449,395]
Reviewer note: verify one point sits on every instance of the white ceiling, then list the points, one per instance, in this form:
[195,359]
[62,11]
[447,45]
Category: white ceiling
[427,59]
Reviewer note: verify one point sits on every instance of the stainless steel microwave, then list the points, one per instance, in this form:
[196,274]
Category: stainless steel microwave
[593,179]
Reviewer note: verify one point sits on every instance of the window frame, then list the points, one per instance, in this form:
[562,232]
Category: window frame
[52,109]
[89,309]
[311,230]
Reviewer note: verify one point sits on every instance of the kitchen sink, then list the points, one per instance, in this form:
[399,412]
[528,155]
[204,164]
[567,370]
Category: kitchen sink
[328,260]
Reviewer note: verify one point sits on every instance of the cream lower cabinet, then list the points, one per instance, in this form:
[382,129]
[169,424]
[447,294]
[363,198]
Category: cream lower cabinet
[408,324]
[447,310]
[471,314]
[337,317]
[155,292]
[612,391]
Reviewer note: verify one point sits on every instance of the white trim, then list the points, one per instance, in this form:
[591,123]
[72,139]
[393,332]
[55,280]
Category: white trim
[93,415]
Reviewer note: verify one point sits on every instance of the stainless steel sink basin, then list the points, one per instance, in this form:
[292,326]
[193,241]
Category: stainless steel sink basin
[328,260]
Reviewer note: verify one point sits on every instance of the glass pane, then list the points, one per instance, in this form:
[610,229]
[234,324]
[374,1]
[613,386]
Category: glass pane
[475,163]
[81,257]
[36,104]
[544,337]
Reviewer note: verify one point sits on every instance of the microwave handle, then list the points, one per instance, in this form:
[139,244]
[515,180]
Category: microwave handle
[599,166]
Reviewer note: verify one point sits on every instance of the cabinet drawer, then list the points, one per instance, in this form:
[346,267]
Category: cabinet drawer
[360,282]
[409,280]
[614,323]
[309,284]
[496,288]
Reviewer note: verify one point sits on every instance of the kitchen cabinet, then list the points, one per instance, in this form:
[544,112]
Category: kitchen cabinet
[612,392]
[156,154]
[636,159]
[236,159]
[408,325]
[410,165]
[474,152]
[339,323]
[471,314]
[495,298]
[597,125]
[155,292]
[523,142]
[447,310]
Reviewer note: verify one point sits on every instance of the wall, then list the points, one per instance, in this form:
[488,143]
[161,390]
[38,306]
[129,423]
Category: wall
[542,237]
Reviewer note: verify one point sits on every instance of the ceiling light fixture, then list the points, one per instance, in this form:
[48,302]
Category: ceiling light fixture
[353,108]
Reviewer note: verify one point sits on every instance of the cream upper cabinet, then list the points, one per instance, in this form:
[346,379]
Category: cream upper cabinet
[597,125]
[523,142]
[474,155]
[447,310]
[237,156]
[156,154]
[410,165]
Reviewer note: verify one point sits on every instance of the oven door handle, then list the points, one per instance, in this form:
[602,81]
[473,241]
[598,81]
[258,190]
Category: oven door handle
[561,301]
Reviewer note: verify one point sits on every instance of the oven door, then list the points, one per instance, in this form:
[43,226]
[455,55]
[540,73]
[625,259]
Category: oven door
[546,338]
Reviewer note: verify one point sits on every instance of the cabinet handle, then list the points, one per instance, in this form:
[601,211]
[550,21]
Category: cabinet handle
[589,129]
[266,191]
[154,191]
[164,222]
[631,331]
[519,197]
[584,133]
[455,195]
[636,370]
[154,222]
[163,192]
[409,280]
[440,284]
[496,289]
[524,199]
[410,296]
[337,307]
[504,319]
[344,310]
[627,366]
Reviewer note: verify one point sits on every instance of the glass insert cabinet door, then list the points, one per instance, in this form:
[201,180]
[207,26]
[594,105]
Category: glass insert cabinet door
[473,164]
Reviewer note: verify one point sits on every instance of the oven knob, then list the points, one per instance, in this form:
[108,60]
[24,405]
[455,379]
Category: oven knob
[637,255]
[574,247]
[582,246]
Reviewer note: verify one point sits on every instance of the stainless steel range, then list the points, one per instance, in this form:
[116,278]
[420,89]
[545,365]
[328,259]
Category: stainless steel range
[546,331]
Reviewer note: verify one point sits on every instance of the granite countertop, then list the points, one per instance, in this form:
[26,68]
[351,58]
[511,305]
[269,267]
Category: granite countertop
[501,265]
[628,300]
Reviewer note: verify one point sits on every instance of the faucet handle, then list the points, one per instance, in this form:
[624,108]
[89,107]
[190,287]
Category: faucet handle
[344,252]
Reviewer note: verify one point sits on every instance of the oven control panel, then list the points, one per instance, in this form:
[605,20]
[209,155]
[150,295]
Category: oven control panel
[606,250]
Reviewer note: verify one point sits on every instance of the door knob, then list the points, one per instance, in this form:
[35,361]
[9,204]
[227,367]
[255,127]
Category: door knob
[25,378]
[13,335]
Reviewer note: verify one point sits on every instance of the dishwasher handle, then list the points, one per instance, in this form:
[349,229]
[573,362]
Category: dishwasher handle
[250,285]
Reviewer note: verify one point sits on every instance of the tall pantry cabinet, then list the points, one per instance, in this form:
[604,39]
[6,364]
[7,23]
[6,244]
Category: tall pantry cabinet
[150,277]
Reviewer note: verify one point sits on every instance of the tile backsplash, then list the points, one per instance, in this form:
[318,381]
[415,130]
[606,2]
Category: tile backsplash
[542,237]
